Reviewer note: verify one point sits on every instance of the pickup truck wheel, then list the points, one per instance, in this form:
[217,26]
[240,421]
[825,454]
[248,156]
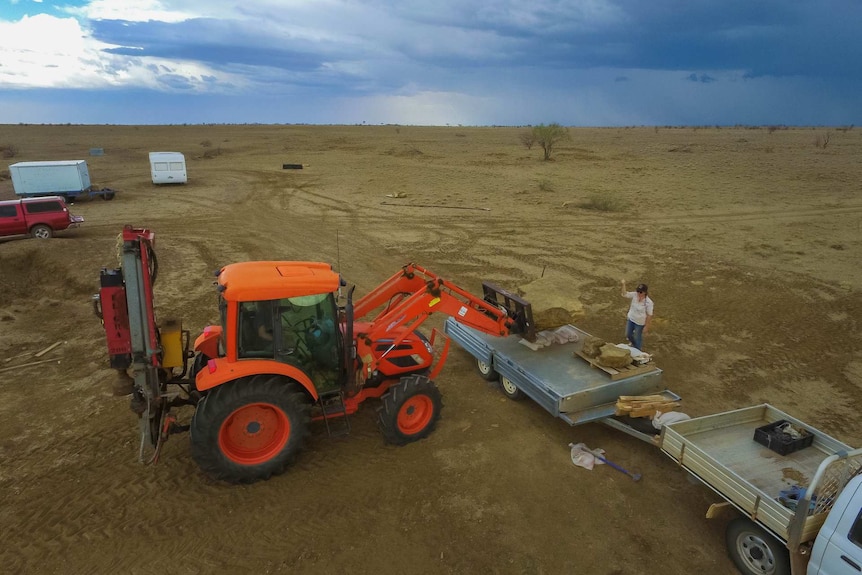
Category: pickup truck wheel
[250,429]
[510,390]
[410,410]
[754,550]
[486,372]
[41,231]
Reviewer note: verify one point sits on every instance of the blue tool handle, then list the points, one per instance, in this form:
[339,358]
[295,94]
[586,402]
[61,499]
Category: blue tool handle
[612,464]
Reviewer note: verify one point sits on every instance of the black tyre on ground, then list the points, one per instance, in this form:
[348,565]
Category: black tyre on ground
[754,550]
[41,231]
[409,410]
[486,371]
[250,429]
[509,389]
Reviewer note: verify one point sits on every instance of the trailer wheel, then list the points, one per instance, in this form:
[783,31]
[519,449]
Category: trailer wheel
[509,389]
[250,429]
[754,550]
[409,410]
[108,195]
[486,371]
[41,231]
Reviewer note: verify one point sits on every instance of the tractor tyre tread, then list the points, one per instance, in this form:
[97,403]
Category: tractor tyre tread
[392,401]
[215,407]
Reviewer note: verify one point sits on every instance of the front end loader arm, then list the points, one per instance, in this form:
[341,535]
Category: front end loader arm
[413,279]
[415,293]
[409,280]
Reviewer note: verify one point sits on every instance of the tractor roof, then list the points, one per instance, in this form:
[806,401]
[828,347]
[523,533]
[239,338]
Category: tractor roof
[257,281]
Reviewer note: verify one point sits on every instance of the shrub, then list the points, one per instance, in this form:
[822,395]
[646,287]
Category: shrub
[602,203]
[527,138]
[8,151]
[546,186]
[822,141]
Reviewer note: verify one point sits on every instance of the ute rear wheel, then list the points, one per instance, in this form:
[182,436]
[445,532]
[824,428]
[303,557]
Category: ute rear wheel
[754,551]
[41,231]
[250,429]
[410,410]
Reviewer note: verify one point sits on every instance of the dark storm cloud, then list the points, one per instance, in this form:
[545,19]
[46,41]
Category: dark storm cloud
[765,37]
[215,42]
[583,62]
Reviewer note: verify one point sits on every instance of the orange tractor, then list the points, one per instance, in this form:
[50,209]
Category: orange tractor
[286,351]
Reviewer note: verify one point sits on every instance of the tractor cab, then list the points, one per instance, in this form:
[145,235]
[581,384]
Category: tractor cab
[287,312]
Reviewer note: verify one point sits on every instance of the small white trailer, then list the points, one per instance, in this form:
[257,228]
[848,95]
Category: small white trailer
[168,168]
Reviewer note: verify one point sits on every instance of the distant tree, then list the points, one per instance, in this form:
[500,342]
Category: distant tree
[549,136]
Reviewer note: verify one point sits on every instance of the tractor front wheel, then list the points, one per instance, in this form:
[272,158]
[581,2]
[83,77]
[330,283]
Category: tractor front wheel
[409,410]
[250,429]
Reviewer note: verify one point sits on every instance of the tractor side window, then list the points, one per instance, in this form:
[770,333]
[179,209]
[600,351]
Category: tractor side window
[255,337]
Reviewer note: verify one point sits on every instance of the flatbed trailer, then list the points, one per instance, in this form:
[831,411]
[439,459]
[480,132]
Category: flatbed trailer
[763,484]
[560,379]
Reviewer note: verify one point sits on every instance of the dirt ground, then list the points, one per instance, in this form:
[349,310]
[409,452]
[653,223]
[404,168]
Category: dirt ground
[748,238]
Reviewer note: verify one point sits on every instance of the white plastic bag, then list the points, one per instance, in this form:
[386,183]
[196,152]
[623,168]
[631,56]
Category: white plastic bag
[565,334]
[660,419]
[583,456]
[640,357]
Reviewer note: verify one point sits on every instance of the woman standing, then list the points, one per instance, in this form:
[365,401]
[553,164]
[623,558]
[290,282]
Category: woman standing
[640,314]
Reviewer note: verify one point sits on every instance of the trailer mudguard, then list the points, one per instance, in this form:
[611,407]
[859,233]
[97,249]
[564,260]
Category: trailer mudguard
[219,371]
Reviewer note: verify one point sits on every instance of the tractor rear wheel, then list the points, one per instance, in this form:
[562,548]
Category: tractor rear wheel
[250,429]
[409,410]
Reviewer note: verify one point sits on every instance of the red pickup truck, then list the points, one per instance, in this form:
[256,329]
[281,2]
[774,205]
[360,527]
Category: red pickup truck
[39,217]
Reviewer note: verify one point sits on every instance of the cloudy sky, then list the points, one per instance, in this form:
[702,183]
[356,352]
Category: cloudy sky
[432,62]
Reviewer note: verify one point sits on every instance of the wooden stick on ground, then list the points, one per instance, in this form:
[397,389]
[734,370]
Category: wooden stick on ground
[23,365]
[8,359]
[47,349]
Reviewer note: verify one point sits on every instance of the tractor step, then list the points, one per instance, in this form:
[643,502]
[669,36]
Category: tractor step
[332,408]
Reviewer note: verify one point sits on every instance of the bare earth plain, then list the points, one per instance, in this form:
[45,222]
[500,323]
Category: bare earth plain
[748,238]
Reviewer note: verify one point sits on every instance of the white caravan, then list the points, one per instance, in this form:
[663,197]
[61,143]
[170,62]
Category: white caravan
[168,168]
